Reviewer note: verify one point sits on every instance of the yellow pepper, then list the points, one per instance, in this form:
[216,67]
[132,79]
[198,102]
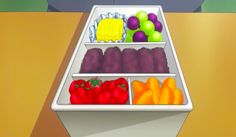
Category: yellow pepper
[170,82]
[167,95]
[138,89]
[178,97]
[146,98]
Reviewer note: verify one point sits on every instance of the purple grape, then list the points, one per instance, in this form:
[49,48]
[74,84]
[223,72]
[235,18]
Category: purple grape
[158,26]
[160,60]
[130,61]
[92,61]
[146,61]
[139,36]
[152,17]
[133,23]
[112,61]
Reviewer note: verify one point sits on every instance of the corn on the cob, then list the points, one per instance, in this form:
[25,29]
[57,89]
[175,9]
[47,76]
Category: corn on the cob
[109,29]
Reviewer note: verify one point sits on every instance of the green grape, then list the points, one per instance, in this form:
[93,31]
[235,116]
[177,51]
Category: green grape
[131,32]
[129,38]
[142,16]
[155,37]
[147,27]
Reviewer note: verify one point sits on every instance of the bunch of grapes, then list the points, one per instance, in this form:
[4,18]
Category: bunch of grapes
[144,27]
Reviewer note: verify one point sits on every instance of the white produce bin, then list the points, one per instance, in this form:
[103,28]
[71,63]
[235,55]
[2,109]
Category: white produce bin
[121,120]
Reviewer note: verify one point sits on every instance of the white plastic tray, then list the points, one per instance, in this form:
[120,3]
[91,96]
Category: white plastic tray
[73,116]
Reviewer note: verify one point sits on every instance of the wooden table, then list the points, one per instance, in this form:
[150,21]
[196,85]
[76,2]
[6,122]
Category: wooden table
[35,49]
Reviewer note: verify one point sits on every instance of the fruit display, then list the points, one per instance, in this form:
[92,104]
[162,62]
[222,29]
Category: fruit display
[94,91]
[129,60]
[143,27]
[109,29]
[152,92]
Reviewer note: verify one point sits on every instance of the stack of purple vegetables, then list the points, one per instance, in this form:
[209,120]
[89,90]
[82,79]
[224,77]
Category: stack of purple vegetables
[127,61]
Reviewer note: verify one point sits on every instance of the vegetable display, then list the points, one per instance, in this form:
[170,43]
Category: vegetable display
[129,60]
[152,92]
[92,61]
[94,91]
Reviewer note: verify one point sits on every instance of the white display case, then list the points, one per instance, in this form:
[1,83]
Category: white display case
[127,119]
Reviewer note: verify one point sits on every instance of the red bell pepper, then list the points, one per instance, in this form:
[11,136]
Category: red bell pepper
[104,98]
[75,85]
[108,85]
[80,96]
[123,98]
[122,83]
[94,87]
[95,92]
[92,83]
[120,95]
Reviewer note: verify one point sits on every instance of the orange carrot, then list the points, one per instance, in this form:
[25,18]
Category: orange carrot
[167,96]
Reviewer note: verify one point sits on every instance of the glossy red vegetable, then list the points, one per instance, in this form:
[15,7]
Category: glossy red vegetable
[95,92]
[104,98]
[120,95]
[94,86]
[108,85]
[122,83]
[92,83]
[75,85]
[80,96]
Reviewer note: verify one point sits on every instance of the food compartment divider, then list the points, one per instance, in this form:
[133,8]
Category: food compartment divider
[130,92]
[122,46]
